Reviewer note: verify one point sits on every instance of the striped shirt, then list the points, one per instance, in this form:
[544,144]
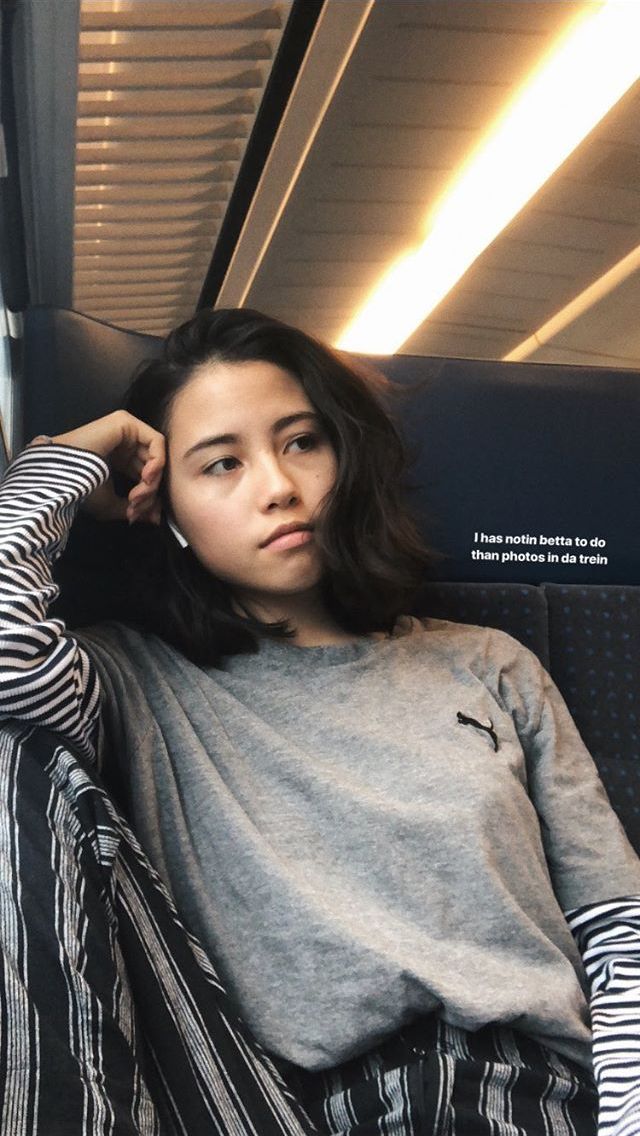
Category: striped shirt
[46,678]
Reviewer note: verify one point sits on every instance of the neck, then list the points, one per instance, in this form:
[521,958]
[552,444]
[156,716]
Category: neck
[314,626]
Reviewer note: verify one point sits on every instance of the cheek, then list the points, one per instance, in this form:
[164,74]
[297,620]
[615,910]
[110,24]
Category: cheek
[209,524]
[216,541]
[195,513]
[212,523]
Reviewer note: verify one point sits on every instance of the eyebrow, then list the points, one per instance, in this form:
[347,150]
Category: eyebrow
[233,439]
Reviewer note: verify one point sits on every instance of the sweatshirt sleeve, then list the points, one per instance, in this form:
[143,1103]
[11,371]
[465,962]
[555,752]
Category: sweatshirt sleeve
[591,862]
[608,937]
[588,853]
[45,676]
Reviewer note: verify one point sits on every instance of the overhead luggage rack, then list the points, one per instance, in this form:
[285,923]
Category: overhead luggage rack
[167,98]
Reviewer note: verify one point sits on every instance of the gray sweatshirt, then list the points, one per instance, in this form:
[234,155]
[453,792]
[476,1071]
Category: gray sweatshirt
[362,834]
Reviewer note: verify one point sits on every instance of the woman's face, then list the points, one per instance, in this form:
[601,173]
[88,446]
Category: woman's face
[247,455]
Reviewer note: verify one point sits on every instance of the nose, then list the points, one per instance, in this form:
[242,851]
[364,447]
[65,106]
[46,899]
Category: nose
[275,486]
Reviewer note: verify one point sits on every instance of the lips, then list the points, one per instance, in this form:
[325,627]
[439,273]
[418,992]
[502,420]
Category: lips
[285,536]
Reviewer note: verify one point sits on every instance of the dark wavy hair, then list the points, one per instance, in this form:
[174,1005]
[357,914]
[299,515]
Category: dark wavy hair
[372,554]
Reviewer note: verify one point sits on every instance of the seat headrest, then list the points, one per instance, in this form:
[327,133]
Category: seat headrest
[522,471]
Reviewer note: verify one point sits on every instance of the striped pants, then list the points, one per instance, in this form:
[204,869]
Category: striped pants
[437,1079]
[113,1021]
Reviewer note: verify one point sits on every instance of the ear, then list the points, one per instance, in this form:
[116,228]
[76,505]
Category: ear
[182,540]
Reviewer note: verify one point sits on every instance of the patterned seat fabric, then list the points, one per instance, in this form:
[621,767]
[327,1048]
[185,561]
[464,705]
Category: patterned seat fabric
[519,609]
[594,634]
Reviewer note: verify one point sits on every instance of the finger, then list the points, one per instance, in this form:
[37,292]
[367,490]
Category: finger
[138,443]
[150,514]
[155,446]
[134,509]
[152,471]
[142,452]
[140,493]
[144,510]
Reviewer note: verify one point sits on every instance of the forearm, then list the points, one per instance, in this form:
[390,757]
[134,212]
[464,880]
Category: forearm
[45,677]
[608,935]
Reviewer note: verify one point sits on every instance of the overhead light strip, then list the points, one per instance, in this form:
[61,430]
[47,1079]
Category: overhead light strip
[578,306]
[588,70]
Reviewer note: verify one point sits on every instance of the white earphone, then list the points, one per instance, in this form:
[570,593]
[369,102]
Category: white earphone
[182,541]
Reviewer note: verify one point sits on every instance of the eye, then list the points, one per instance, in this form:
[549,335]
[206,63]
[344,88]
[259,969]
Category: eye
[305,442]
[221,466]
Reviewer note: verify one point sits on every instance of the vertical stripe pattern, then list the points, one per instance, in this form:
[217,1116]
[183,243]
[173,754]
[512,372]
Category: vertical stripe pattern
[438,1079]
[608,935]
[84,921]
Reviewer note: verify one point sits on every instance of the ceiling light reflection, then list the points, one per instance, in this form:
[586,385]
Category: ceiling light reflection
[586,73]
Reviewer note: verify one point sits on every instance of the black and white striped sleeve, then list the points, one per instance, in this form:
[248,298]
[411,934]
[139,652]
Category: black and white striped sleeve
[608,936]
[45,676]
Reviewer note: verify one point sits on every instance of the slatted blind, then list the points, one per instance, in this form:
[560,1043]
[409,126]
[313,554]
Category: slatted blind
[168,93]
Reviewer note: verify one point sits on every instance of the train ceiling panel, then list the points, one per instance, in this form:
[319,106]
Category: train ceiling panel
[423,84]
[389,101]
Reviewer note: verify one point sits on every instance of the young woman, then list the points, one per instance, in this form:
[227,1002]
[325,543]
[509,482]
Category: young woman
[382,830]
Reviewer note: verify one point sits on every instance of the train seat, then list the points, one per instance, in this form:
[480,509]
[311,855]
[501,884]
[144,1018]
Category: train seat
[524,478]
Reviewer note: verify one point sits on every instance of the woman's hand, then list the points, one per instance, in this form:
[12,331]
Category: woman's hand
[132,448]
